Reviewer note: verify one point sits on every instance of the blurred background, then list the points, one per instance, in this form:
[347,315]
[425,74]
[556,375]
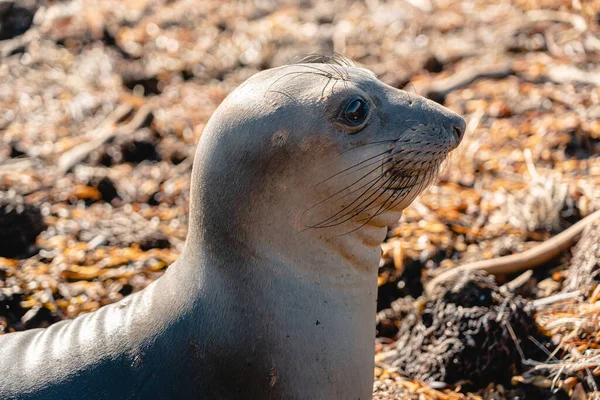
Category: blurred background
[102,103]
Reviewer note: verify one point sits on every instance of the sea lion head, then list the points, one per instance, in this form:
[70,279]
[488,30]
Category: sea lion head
[322,146]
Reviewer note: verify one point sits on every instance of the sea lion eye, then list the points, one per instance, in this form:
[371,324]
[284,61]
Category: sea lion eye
[356,111]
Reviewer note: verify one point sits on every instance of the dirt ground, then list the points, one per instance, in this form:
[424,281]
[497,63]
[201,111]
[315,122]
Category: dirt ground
[101,104]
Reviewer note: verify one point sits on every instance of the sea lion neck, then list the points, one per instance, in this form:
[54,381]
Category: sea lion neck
[256,218]
[276,288]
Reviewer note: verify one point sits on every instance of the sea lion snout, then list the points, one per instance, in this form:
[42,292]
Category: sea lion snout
[455,126]
[450,122]
[436,119]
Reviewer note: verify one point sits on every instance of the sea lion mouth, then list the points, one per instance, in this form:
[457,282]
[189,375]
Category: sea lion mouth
[405,188]
[405,174]
[401,174]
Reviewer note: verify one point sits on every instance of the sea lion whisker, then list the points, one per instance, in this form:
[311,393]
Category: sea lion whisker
[323,72]
[369,143]
[335,70]
[443,165]
[289,96]
[332,219]
[381,155]
[340,71]
[386,172]
[296,75]
[402,181]
[333,62]
[414,90]
[399,198]
[399,195]
[340,59]
[372,184]
[355,213]
[343,212]
[426,181]
[325,87]
[309,59]
[429,181]
[395,166]
[370,218]
[408,178]
[331,58]
[373,162]
[415,165]
[333,86]
[309,64]
[385,154]
[347,187]
[392,194]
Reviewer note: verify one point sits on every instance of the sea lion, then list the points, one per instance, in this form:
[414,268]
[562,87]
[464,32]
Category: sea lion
[296,178]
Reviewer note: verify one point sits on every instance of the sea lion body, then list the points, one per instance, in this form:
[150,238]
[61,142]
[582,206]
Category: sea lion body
[296,178]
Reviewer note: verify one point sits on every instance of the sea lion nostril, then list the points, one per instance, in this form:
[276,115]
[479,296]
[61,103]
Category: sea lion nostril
[458,133]
[458,130]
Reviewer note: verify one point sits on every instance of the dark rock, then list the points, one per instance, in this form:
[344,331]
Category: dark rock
[136,151]
[134,73]
[462,332]
[388,319]
[20,224]
[150,84]
[11,311]
[433,64]
[16,150]
[14,20]
[105,186]
[155,240]
[107,189]
[126,290]
[142,146]
[386,294]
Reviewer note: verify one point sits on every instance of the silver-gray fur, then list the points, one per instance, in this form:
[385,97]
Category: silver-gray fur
[274,294]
